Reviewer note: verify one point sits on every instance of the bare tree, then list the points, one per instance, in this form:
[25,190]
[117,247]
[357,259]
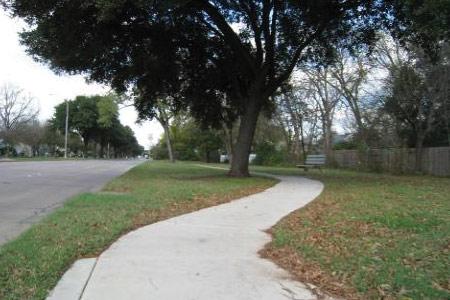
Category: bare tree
[16,109]
[290,115]
[297,114]
[388,54]
[284,117]
[350,75]
[32,134]
[326,97]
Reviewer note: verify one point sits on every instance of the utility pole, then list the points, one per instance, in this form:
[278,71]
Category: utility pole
[67,129]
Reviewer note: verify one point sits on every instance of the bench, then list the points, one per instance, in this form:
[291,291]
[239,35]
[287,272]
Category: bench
[313,161]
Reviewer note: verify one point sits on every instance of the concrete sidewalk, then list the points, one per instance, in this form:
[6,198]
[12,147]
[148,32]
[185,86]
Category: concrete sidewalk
[208,254]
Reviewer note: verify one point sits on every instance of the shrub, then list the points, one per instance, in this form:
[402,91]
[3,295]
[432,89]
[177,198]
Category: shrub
[267,154]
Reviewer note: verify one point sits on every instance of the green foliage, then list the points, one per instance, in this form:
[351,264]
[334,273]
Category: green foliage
[96,119]
[424,23]
[159,151]
[345,145]
[83,116]
[417,99]
[190,142]
[7,150]
[118,50]
[124,142]
[108,111]
[267,154]
[269,143]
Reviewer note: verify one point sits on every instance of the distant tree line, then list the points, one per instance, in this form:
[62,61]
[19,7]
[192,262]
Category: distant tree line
[94,129]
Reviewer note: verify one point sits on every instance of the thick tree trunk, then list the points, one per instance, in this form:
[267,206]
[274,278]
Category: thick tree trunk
[241,150]
[168,141]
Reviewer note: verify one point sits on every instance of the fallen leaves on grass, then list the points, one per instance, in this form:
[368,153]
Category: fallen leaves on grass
[369,237]
[308,272]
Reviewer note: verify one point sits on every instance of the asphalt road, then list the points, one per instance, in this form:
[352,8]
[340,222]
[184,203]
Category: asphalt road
[31,190]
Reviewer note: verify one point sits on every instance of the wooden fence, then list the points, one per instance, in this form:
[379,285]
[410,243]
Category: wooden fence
[435,161]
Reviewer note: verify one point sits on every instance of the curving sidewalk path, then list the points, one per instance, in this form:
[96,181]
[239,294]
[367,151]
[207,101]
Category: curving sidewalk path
[208,254]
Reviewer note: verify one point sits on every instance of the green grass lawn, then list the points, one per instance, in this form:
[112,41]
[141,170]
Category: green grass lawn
[369,236]
[31,265]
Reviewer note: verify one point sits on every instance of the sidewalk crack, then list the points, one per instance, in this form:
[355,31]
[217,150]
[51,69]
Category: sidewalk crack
[88,279]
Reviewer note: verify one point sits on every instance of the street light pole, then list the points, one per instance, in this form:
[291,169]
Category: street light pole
[67,129]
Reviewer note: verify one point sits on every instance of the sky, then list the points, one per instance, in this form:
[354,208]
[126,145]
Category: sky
[49,89]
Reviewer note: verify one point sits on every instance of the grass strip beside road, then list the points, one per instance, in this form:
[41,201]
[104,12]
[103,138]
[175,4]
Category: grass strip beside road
[369,236]
[31,265]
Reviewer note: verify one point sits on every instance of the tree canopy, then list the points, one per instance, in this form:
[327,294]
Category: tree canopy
[96,119]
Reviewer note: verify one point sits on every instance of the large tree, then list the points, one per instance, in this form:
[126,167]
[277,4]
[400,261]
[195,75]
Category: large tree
[94,119]
[350,75]
[296,115]
[326,98]
[202,53]
[108,116]
[83,117]
[417,98]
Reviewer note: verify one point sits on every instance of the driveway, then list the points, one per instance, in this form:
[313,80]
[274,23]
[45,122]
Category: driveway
[31,190]
[208,254]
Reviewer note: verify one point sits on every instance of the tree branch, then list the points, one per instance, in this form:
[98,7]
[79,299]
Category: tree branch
[276,82]
[229,34]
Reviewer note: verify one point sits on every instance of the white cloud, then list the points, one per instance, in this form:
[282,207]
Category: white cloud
[49,89]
